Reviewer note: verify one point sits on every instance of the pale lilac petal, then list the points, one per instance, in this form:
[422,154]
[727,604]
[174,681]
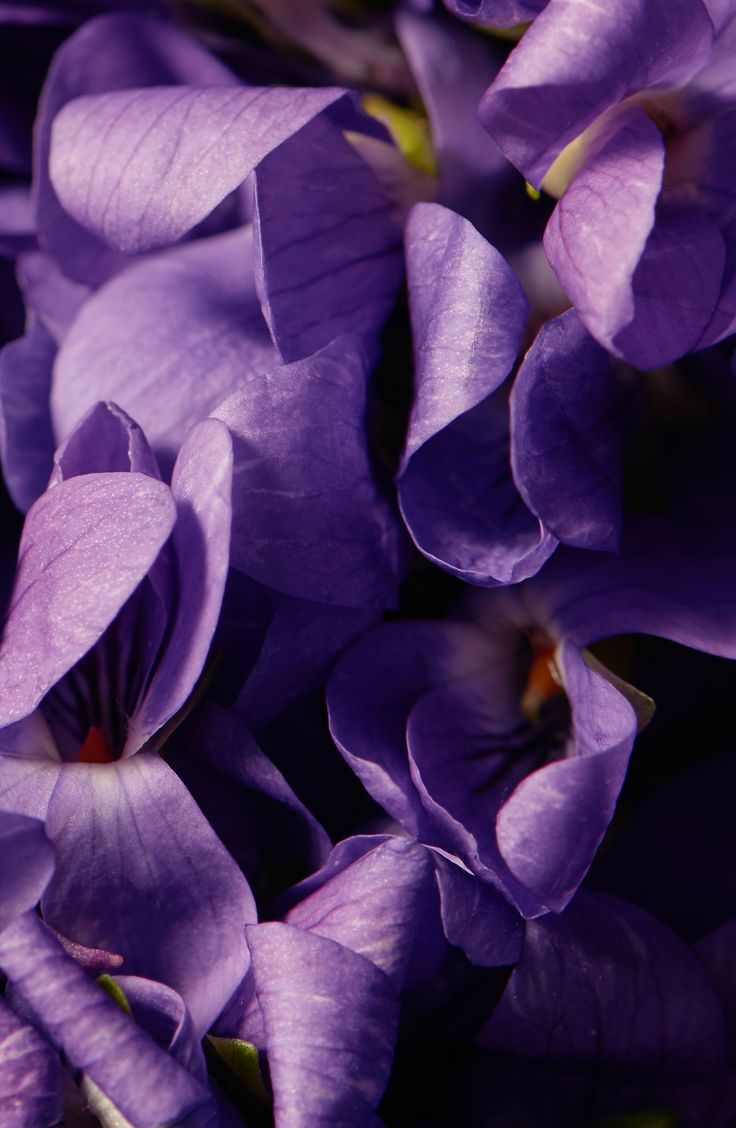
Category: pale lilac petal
[374,906]
[167,340]
[200,485]
[86,545]
[329,1014]
[308,518]
[146,1084]
[115,52]
[139,168]
[576,61]
[157,886]
[614,195]
[334,266]
[569,415]
[26,432]
[30,1075]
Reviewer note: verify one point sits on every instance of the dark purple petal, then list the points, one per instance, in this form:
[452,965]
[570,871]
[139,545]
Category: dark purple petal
[476,918]
[145,1083]
[672,579]
[607,1011]
[551,825]
[453,67]
[576,61]
[329,1014]
[496,13]
[272,836]
[334,266]
[568,422]
[200,485]
[115,52]
[25,429]
[86,545]
[368,715]
[374,906]
[167,339]
[308,516]
[140,872]
[30,1075]
[139,168]
[26,865]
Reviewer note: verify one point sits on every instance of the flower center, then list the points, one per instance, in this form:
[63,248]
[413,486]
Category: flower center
[95,748]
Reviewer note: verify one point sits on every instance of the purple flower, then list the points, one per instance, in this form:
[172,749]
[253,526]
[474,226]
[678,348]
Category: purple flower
[641,239]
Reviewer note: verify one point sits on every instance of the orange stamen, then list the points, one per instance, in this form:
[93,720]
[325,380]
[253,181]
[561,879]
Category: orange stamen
[95,749]
[542,684]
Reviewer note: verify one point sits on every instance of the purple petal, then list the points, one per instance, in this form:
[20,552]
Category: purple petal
[54,298]
[140,168]
[200,486]
[86,545]
[115,52]
[167,339]
[374,906]
[550,827]
[308,517]
[468,313]
[334,266]
[614,196]
[105,441]
[576,61]
[25,429]
[27,863]
[568,418]
[147,1085]
[606,1006]
[476,918]
[368,714]
[496,13]
[272,836]
[452,68]
[155,883]
[672,579]
[328,1014]
[30,1075]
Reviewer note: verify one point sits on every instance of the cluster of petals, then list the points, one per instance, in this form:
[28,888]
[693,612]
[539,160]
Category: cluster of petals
[350,483]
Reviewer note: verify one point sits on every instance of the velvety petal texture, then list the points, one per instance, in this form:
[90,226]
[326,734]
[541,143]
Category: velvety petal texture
[140,168]
[331,268]
[86,545]
[577,61]
[496,13]
[26,433]
[167,340]
[142,833]
[570,407]
[146,1084]
[27,864]
[309,519]
[30,1075]
[455,487]
[330,1022]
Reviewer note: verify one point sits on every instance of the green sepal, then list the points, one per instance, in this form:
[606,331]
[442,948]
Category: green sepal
[116,993]
[409,129]
[241,1058]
